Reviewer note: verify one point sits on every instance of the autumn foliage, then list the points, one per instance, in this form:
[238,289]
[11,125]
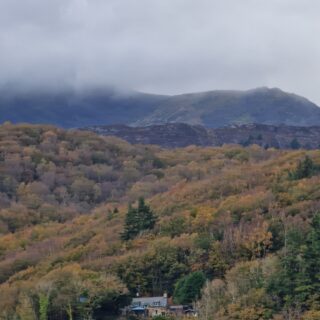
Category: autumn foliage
[231,213]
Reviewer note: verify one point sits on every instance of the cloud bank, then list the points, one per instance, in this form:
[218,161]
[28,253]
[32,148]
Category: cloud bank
[161,46]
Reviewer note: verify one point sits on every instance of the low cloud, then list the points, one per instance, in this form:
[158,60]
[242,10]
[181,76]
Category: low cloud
[162,46]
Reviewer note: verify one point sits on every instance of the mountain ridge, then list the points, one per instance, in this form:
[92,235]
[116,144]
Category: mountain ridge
[212,109]
[220,108]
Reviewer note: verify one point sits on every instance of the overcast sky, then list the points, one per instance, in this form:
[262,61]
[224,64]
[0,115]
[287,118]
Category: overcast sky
[162,46]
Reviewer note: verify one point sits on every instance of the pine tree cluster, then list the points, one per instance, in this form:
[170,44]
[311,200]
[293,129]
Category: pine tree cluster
[305,169]
[137,220]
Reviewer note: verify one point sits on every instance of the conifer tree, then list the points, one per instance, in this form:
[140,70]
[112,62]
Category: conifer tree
[305,169]
[146,216]
[131,228]
[137,220]
[298,281]
[312,255]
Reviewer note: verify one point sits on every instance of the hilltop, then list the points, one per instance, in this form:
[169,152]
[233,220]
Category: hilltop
[211,109]
[215,109]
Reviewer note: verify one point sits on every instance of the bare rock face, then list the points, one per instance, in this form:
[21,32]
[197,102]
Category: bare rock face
[175,135]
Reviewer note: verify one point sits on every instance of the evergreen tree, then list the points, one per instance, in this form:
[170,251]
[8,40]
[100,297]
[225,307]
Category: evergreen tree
[132,224]
[312,257]
[298,281]
[305,169]
[137,220]
[146,217]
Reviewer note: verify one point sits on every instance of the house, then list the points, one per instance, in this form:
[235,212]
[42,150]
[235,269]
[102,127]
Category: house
[150,302]
[149,306]
[154,306]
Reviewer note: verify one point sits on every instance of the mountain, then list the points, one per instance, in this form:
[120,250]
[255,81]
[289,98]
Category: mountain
[222,108]
[177,135]
[75,109]
[212,109]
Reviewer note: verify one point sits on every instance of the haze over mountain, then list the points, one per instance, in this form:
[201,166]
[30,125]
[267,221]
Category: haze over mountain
[75,109]
[211,109]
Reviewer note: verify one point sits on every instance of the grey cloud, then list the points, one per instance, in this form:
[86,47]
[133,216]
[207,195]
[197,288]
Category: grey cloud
[164,46]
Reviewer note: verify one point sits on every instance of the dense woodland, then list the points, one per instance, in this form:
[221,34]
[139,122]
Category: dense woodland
[88,221]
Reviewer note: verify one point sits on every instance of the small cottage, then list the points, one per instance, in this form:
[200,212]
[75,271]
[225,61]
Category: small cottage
[150,306]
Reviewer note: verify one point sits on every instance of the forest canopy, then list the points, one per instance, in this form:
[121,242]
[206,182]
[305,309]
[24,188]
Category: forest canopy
[240,222]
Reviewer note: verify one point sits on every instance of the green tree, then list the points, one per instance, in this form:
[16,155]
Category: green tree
[188,288]
[131,228]
[304,169]
[137,220]
[43,306]
[146,217]
[283,284]
[309,283]
[298,281]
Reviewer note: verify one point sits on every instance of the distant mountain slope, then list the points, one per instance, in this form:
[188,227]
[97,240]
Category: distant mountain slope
[221,108]
[211,109]
[173,135]
[70,109]
[181,135]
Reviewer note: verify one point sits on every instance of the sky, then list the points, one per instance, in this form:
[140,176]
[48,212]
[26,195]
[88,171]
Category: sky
[161,46]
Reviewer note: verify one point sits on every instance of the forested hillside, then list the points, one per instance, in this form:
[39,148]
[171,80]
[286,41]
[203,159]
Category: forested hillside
[87,221]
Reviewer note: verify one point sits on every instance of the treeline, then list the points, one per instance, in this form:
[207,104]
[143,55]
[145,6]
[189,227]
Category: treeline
[234,229]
